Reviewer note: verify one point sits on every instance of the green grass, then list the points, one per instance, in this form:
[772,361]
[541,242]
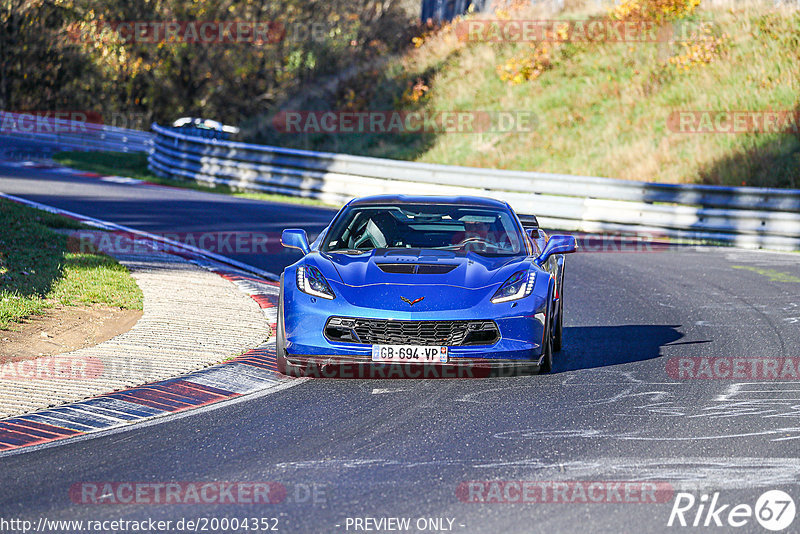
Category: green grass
[134,165]
[601,109]
[772,274]
[37,270]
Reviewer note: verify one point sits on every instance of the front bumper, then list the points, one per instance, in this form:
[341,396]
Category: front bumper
[356,367]
[520,324]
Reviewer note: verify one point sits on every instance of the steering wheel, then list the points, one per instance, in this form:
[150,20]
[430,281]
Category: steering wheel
[483,243]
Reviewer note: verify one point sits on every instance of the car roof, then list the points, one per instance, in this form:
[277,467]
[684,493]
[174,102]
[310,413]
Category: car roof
[429,199]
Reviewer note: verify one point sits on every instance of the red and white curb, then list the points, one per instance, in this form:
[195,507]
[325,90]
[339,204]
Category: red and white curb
[252,372]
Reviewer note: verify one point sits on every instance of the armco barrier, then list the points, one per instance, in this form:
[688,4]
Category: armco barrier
[743,216]
[73,135]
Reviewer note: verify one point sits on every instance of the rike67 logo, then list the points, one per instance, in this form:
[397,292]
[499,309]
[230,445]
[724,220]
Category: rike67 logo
[774,510]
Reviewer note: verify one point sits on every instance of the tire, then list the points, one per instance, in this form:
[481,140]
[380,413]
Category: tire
[547,351]
[280,337]
[558,338]
[284,367]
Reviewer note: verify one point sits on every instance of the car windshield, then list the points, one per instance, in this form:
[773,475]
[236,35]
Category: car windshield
[460,228]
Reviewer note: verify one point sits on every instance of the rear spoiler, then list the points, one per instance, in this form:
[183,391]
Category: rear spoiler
[530,224]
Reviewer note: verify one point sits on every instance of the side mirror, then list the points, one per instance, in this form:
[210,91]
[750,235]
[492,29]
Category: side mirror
[557,244]
[533,233]
[294,238]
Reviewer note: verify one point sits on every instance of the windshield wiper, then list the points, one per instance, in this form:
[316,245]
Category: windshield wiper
[348,251]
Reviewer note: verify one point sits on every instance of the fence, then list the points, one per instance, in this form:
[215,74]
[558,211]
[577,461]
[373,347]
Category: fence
[73,135]
[743,216]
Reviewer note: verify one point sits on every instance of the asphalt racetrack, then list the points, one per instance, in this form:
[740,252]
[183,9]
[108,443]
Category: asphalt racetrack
[351,453]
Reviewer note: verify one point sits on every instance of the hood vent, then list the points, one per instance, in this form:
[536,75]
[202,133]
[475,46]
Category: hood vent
[416,268]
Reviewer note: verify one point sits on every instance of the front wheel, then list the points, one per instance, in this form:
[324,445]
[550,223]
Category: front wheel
[280,335]
[559,330]
[284,367]
[547,350]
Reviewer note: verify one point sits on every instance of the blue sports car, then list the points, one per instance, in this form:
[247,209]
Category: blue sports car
[417,280]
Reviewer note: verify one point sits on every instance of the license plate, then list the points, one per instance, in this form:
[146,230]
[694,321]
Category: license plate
[409,354]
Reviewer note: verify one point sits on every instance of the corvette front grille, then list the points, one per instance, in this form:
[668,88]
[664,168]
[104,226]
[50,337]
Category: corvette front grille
[432,333]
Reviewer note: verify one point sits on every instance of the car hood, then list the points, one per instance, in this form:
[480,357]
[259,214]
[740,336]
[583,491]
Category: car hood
[362,281]
[433,267]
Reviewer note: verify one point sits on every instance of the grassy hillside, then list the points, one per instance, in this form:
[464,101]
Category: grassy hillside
[601,108]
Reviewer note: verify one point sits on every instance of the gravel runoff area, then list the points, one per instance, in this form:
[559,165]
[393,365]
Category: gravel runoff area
[192,318]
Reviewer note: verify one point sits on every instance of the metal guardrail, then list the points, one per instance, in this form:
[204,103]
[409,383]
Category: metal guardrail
[743,216]
[73,135]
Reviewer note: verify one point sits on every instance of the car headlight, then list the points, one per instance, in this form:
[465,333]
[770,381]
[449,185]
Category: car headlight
[518,286]
[310,280]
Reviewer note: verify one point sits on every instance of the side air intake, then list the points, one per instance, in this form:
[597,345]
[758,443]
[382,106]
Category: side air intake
[416,268]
